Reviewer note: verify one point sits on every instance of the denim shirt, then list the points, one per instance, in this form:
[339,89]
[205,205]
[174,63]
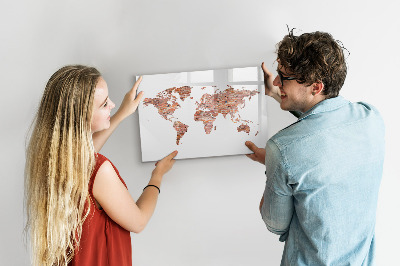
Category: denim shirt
[323,176]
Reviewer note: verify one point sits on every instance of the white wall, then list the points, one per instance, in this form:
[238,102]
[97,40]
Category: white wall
[208,208]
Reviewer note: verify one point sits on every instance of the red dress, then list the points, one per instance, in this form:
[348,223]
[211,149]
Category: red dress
[103,241]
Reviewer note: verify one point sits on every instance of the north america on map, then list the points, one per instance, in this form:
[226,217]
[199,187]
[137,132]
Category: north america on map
[222,102]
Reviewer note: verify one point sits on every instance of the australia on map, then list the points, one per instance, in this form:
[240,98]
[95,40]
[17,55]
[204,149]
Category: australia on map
[195,119]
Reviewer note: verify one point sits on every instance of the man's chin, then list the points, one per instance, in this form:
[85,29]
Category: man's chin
[285,108]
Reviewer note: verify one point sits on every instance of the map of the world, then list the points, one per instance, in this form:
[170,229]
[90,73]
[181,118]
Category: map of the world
[224,103]
[200,114]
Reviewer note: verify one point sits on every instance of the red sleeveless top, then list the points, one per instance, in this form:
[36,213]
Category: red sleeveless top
[103,241]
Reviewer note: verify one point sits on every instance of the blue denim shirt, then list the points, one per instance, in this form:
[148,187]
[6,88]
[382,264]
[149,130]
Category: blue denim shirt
[323,176]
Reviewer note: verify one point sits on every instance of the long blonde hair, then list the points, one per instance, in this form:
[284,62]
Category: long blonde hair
[59,161]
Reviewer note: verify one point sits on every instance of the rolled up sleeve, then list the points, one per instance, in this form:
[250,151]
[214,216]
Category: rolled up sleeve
[277,208]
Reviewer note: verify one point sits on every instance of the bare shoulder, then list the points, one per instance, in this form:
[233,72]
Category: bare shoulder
[114,198]
[106,179]
[106,169]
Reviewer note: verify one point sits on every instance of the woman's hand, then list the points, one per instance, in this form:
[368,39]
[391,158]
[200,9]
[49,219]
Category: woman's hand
[128,107]
[164,165]
[131,101]
[270,89]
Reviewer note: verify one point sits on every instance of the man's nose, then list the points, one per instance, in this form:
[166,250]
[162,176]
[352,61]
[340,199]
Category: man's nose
[277,81]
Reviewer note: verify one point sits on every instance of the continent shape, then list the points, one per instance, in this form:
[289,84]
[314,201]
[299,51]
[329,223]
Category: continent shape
[181,130]
[166,104]
[224,102]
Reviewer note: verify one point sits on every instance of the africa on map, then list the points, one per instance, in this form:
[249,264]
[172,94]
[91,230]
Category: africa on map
[195,119]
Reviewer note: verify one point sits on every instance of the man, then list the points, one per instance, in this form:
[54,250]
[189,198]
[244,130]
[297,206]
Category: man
[323,171]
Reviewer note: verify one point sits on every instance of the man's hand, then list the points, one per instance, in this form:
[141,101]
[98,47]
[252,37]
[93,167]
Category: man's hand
[258,155]
[270,89]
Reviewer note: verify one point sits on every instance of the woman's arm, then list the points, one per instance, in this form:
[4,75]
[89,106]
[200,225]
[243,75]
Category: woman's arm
[116,201]
[128,107]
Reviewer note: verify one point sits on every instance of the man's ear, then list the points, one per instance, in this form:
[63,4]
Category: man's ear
[317,88]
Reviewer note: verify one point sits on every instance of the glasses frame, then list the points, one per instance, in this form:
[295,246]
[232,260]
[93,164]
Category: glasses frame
[282,78]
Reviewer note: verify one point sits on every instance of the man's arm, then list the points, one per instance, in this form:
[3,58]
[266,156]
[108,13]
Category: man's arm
[274,91]
[276,206]
[276,211]
[270,89]
[128,107]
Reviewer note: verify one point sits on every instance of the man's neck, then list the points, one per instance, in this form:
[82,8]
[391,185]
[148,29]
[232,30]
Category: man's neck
[316,100]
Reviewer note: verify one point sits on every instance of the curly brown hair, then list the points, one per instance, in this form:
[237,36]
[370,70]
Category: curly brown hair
[314,57]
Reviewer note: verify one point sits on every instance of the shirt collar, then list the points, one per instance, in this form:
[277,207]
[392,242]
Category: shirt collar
[325,106]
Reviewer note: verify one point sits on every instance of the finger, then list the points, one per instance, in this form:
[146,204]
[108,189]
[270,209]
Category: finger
[265,69]
[156,163]
[139,96]
[251,146]
[136,85]
[251,156]
[172,155]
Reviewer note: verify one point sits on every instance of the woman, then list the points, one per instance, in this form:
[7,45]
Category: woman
[78,207]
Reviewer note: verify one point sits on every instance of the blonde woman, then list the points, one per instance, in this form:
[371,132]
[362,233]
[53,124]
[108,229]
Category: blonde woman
[78,207]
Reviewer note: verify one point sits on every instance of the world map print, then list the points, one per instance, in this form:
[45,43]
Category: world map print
[226,102]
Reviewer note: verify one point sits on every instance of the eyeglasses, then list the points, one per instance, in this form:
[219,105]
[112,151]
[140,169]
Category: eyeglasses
[282,78]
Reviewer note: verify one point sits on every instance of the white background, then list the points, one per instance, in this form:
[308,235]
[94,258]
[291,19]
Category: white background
[208,208]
